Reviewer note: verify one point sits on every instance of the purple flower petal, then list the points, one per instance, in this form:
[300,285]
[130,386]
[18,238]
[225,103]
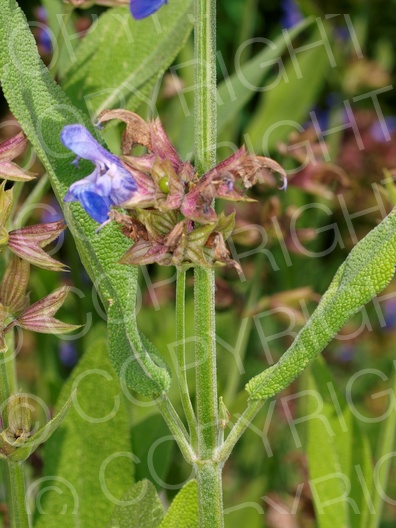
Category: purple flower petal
[81,142]
[144,8]
[96,206]
[109,184]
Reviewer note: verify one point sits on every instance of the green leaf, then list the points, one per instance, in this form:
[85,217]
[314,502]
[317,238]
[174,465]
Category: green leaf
[63,33]
[121,59]
[383,474]
[339,457]
[43,110]
[88,464]
[142,508]
[155,451]
[237,90]
[366,272]
[183,512]
[285,107]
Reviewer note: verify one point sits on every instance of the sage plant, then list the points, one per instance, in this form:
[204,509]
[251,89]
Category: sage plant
[132,210]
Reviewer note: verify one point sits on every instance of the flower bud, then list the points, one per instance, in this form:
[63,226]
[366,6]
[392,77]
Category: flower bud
[19,418]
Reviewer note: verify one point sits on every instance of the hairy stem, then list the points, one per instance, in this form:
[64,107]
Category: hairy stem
[239,428]
[181,356]
[176,428]
[14,477]
[208,473]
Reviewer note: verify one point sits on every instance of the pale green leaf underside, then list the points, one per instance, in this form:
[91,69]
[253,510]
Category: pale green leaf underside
[88,463]
[183,512]
[339,456]
[367,271]
[121,59]
[43,110]
[141,508]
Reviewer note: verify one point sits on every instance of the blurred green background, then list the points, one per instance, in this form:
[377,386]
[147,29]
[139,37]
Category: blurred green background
[289,243]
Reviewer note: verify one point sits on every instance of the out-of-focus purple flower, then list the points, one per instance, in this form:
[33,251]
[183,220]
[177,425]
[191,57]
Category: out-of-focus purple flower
[390,314]
[109,184]
[44,33]
[346,353]
[291,14]
[381,130]
[68,354]
[144,8]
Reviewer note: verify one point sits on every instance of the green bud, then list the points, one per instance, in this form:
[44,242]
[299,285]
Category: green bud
[163,184]
[224,414]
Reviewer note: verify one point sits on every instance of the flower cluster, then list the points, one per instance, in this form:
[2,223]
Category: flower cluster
[170,217]
[26,244]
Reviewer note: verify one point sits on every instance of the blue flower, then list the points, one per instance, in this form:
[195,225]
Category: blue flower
[144,8]
[109,184]
[291,14]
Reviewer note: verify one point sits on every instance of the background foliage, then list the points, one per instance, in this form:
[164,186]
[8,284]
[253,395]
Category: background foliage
[330,206]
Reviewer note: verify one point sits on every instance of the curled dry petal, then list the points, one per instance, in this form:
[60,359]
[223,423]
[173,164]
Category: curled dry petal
[144,252]
[28,242]
[13,147]
[10,149]
[11,171]
[197,203]
[137,131]
[39,316]
[162,146]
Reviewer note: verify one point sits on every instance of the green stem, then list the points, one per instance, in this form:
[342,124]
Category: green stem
[181,356]
[9,361]
[17,494]
[208,473]
[239,428]
[176,428]
[210,502]
[4,387]
[15,482]
[205,158]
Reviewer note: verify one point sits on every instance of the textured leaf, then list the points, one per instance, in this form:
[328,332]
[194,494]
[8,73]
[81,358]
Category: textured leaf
[155,452]
[43,110]
[337,449]
[62,26]
[122,74]
[366,272]
[88,457]
[289,102]
[142,508]
[183,512]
